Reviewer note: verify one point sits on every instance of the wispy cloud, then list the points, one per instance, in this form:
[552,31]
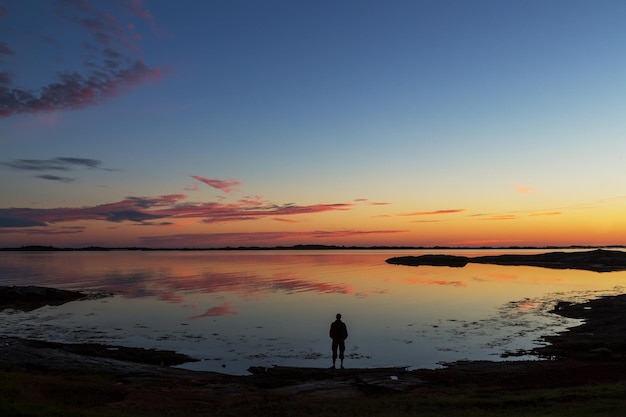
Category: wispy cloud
[54,164]
[223,185]
[55,178]
[431,213]
[371,203]
[7,219]
[501,217]
[280,219]
[233,212]
[47,231]
[549,213]
[112,62]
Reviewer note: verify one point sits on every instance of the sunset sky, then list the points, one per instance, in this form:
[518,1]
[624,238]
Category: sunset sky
[259,123]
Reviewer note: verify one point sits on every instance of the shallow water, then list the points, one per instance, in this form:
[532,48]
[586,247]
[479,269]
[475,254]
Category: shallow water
[236,309]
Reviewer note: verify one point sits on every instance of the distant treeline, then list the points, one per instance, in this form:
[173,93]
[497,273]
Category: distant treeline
[41,248]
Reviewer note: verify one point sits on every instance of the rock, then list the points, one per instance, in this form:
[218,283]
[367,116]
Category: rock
[27,298]
[599,260]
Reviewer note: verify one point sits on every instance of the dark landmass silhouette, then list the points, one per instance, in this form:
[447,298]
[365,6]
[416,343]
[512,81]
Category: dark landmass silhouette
[31,297]
[27,298]
[598,260]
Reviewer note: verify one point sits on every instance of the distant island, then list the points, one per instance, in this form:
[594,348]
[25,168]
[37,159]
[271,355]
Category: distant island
[35,248]
[598,260]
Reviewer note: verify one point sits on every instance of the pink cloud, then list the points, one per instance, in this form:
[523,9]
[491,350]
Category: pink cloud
[224,185]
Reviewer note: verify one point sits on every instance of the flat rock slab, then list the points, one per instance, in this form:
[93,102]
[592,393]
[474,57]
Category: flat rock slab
[336,383]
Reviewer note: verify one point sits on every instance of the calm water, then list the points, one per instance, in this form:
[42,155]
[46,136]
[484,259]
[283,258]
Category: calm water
[235,309]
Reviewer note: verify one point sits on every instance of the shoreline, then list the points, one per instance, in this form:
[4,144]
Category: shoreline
[102,379]
[601,337]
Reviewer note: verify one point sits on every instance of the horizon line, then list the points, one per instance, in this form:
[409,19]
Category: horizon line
[44,248]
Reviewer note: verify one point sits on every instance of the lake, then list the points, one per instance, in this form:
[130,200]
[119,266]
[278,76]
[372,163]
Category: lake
[236,309]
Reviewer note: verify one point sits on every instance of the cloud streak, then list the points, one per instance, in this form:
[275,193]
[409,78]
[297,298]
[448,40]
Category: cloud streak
[224,185]
[430,213]
[55,178]
[54,164]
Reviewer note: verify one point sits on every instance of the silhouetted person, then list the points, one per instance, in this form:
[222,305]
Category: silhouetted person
[339,334]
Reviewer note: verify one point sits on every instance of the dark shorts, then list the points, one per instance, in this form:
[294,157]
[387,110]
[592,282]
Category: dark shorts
[341,344]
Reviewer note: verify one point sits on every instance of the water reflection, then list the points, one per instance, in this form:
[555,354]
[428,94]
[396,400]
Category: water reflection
[237,309]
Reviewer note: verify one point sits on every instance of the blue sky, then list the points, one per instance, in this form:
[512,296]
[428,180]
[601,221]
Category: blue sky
[343,122]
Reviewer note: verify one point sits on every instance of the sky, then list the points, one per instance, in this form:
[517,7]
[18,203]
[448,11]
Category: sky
[218,123]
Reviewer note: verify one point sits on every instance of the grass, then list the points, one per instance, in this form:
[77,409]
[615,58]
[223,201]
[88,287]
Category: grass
[31,394]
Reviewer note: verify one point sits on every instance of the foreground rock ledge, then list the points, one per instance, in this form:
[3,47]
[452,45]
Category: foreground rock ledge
[599,260]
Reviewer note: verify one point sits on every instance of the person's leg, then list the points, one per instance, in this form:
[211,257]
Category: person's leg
[335,346]
[342,349]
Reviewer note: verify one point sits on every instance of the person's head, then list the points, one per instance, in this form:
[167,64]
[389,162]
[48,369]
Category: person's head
[338,316]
